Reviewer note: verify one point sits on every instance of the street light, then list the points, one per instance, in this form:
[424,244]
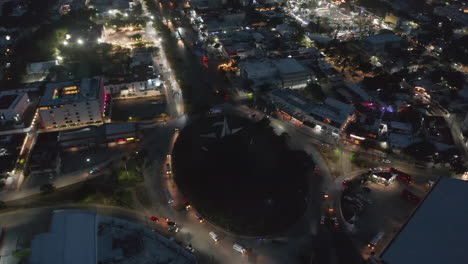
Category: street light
[88,159]
[79,41]
[65,43]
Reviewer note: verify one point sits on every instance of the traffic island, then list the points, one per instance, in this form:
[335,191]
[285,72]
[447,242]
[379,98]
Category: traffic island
[240,175]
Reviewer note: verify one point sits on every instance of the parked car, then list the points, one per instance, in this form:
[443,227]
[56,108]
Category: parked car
[407,195]
[170,223]
[322,220]
[404,178]
[366,189]
[173,229]
[154,218]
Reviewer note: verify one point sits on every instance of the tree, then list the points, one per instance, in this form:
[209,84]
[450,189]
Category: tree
[315,92]
[137,37]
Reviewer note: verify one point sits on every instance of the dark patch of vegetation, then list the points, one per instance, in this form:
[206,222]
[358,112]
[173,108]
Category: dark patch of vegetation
[250,182]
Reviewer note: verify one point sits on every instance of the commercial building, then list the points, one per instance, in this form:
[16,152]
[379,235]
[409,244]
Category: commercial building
[72,103]
[13,106]
[378,43]
[330,117]
[91,136]
[436,232]
[292,74]
[282,73]
[83,237]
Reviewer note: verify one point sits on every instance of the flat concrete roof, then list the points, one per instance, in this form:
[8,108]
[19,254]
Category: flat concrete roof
[72,239]
[436,233]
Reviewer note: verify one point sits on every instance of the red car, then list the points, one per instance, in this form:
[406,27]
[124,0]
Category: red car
[154,218]
[407,195]
[404,178]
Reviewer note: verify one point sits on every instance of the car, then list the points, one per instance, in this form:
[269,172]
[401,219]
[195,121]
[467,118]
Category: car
[170,223]
[346,182]
[239,248]
[187,205]
[404,178]
[199,218]
[336,224]
[190,248]
[386,161]
[173,229]
[366,189]
[95,170]
[322,220]
[214,236]
[409,196]
[325,195]
[154,218]
[168,168]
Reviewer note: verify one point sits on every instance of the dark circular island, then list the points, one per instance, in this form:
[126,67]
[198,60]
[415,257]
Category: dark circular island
[240,175]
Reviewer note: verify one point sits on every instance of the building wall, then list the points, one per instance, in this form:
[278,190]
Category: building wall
[295,80]
[72,115]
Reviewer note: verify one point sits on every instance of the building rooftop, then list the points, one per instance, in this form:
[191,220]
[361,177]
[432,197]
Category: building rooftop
[258,69]
[40,67]
[72,240]
[7,100]
[61,93]
[401,126]
[382,38]
[288,66]
[435,233]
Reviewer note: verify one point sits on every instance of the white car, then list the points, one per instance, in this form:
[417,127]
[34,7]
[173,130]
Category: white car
[239,248]
[386,161]
[214,236]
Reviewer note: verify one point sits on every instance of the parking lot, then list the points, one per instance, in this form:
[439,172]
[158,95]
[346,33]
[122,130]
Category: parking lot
[138,109]
[379,208]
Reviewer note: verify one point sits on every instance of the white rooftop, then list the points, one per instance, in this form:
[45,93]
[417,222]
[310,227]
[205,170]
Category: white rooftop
[436,233]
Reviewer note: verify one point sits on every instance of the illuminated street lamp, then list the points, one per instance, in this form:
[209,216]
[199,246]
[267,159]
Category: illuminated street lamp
[65,43]
[7,37]
[88,159]
[79,41]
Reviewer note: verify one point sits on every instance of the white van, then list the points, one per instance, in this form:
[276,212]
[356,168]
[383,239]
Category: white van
[214,236]
[375,240]
[239,248]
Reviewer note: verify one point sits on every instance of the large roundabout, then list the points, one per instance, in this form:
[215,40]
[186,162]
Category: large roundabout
[240,175]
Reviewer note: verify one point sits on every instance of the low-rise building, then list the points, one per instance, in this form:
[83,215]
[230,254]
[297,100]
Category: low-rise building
[282,73]
[13,106]
[84,237]
[72,103]
[378,43]
[331,117]
[434,233]
[92,136]
[292,74]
